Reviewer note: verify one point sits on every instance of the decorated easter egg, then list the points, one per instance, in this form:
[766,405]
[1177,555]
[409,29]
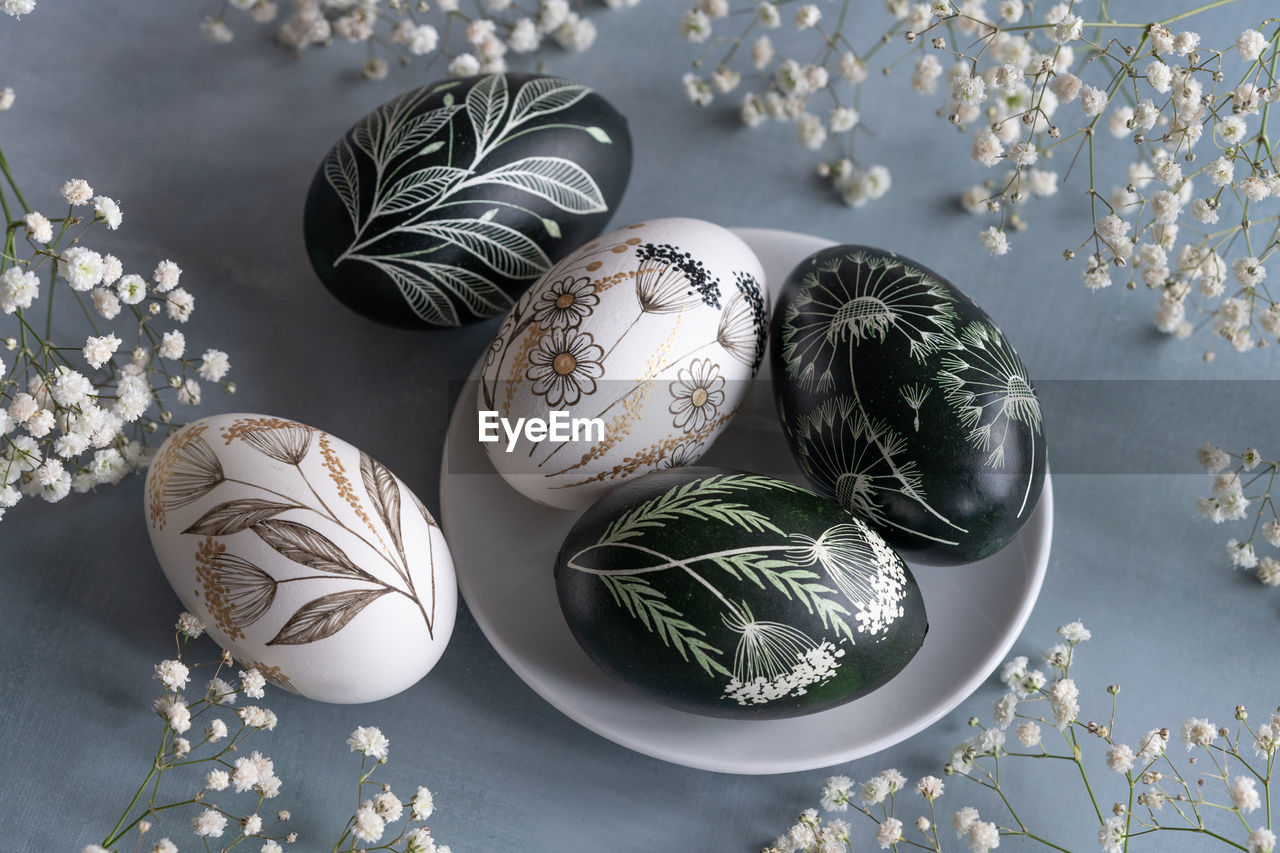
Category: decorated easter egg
[737,595]
[904,401]
[443,204]
[629,355]
[303,556]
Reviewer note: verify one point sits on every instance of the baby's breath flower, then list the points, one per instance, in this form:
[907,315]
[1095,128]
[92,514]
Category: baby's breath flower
[1120,758]
[695,26]
[77,192]
[216,731]
[994,241]
[1093,100]
[209,824]
[369,741]
[1244,794]
[1198,731]
[874,790]
[1111,834]
[388,806]
[983,836]
[1241,554]
[422,804]
[38,228]
[1262,840]
[108,211]
[173,674]
[807,15]
[252,683]
[889,833]
[835,793]
[256,717]
[1250,44]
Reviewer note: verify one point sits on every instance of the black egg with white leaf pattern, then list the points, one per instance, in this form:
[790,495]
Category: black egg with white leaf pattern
[731,594]
[445,203]
[903,400]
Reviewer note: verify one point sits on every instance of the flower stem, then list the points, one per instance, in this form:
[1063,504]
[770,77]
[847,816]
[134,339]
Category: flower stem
[4,167]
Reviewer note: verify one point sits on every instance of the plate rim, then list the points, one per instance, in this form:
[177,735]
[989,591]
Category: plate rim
[744,765]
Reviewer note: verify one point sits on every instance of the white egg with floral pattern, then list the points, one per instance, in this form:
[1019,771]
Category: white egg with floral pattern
[628,356]
[304,556]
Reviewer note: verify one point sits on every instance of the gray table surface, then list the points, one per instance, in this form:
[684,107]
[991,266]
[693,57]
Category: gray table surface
[211,150]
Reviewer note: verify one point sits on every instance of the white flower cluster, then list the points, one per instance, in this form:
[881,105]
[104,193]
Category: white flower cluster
[791,91]
[77,421]
[1234,473]
[1168,92]
[492,29]
[816,665]
[1035,703]
[216,812]
[1028,90]
[812,834]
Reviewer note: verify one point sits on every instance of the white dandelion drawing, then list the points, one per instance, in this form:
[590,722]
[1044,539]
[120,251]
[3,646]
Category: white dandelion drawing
[774,660]
[744,322]
[862,566]
[860,462]
[986,385]
[915,395]
[856,299]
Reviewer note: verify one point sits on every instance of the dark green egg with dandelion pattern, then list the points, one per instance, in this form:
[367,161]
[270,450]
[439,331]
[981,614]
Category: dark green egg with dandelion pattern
[732,594]
[444,204]
[902,400]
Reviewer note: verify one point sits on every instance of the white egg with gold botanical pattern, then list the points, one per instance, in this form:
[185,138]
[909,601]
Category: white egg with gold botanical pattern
[303,555]
[642,343]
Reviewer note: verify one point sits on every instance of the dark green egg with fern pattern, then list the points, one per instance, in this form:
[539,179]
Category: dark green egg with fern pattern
[444,204]
[903,400]
[732,594]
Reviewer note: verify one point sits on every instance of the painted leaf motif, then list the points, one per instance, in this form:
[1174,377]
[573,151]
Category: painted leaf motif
[325,616]
[474,290]
[408,135]
[544,95]
[384,494]
[598,134]
[245,589]
[422,188]
[308,547]
[426,299]
[235,516]
[367,135]
[343,175]
[561,182]
[486,102]
[503,249]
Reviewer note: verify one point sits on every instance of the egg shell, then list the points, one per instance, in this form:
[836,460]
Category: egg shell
[302,555]
[901,398]
[731,594]
[443,204]
[656,329]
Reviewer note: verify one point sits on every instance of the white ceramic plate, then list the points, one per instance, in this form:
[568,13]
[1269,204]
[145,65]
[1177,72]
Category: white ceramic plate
[504,548]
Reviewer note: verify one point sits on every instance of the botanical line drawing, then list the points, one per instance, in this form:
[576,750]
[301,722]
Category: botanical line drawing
[915,395]
[771,659]
[861,299]
[857,299]
[859,461]
[393,139]
[237,592]
[986,384]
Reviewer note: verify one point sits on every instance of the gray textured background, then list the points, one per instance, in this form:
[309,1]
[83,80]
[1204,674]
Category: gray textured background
[212,149]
